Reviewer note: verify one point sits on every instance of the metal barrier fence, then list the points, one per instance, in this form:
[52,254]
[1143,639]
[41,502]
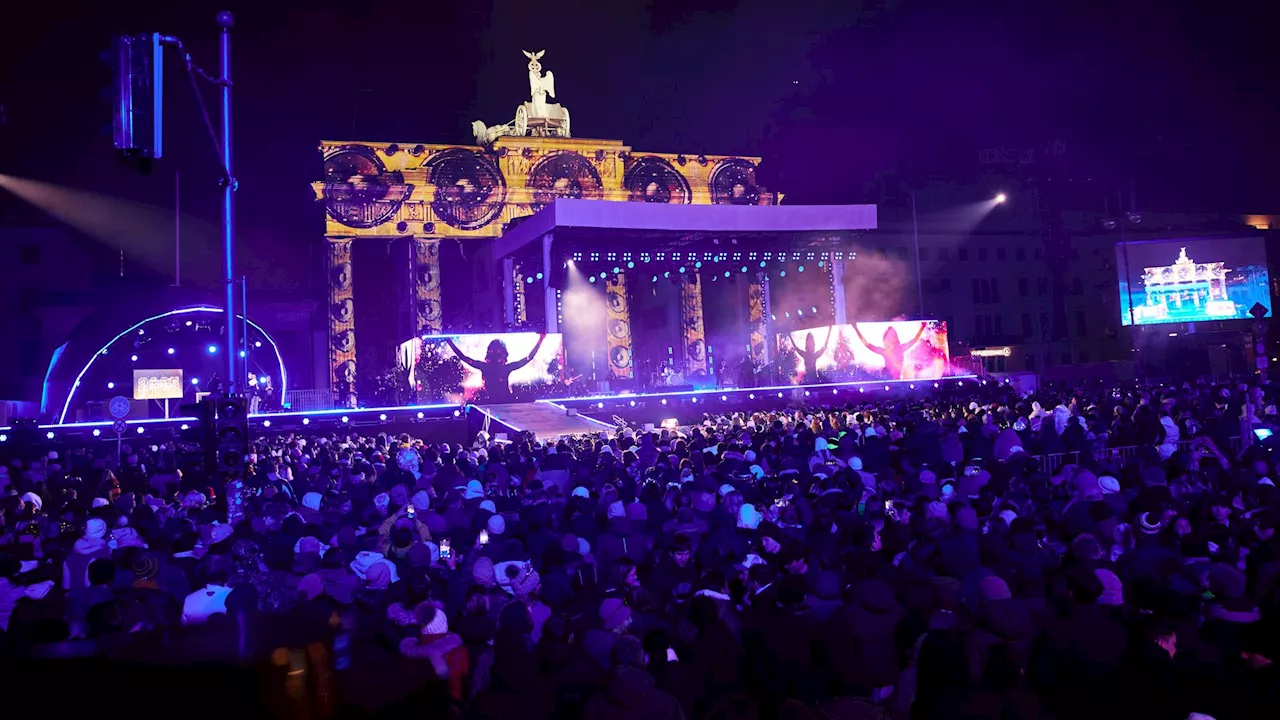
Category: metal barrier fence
[303,400]
[1118,456]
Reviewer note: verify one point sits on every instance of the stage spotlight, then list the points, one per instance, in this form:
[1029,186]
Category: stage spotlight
[213,349]
[936,385]
[761,263]
[4,438]
[786,314]
[912,386]
[306,421]
[195,381]
[538,276]
[752,396]
[243,353]
[800,313]
[97,432]
[604,275]
[457,413]
[800,268]
[134,358]
[667,274]
[345,419]
[184,426]
[886,388]
[779,394]
[726,273]
[772,316]
[141,429]
[568,263]
[599,406]
[744,268]
[698,265]
[266,423]
[806,393]
[592,279]
[655,278]
[862,389]
[111,386]
[693,400]
[664,401]
[630,265]
[782,274]
[257,343]
[382,417]
[1001,198]
[49,435]
[682,268]
[723,398]
[171,351]
[836,391]
[633,403]
[421,414]
[189,323]
[616,270]
[814,309]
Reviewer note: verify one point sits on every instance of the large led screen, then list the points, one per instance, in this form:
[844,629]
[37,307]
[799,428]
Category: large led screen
[907,350]
[1175,281]
[498,368]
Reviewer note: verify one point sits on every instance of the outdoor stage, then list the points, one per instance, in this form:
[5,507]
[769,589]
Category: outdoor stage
[546,419]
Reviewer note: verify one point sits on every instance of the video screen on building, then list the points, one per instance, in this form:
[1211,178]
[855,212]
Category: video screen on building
[1175,281]
[906,350]
[495,368]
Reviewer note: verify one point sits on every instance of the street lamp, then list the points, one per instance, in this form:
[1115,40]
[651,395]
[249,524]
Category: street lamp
[1001,198]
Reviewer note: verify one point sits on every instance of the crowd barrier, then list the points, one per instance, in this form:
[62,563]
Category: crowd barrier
[1118,456]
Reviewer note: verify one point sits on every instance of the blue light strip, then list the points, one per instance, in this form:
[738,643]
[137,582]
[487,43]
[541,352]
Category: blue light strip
[71,393]
[778,388]
[352,414]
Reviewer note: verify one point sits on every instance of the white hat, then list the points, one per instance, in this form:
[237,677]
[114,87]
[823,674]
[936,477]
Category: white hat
[1108,485]
[488,505]
[617,509]
[580,492]
[855,463]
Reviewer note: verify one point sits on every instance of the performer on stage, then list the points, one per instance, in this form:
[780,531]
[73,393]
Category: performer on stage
[809,354]
[495,371]
[893,351]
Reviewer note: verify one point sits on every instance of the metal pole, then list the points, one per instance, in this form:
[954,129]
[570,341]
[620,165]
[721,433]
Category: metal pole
[549,305]
[915,233]
[244,325]
[177,229]
[234,380]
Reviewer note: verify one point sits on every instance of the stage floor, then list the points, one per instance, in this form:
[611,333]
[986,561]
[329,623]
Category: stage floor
[544,418]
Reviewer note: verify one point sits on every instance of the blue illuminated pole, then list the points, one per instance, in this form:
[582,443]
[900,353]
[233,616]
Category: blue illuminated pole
[234,377]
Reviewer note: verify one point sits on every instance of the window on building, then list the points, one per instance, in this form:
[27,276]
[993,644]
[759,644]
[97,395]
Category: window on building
[982,254]
[1001,254]
[977,290]
[962,254]
[30,254]
[1084,356]
[943,254]
[1024,288]
[903,254]
[1026,325]
[999,325]
[1066,358]
[1039,253]
[1042,286]
[946,284]
[1020,254]
[995,290]
[1082,324]
[1077,285]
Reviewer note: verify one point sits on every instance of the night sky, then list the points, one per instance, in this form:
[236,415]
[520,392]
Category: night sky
[1179,97]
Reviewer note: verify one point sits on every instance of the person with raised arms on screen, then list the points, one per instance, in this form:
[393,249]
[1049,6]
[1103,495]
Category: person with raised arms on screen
[894,351]
[495,371]
[810,354]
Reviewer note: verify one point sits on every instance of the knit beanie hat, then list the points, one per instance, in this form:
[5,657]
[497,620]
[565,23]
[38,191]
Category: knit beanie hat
[433,619]
[482,572]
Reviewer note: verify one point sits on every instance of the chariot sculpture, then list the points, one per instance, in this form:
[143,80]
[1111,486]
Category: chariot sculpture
[536,117]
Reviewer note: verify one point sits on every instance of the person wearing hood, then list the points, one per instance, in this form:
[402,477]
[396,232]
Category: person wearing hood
[91,546]
[622,538]
[630,692]
[859,640]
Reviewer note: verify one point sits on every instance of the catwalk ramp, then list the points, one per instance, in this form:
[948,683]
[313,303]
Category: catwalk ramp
[546,420]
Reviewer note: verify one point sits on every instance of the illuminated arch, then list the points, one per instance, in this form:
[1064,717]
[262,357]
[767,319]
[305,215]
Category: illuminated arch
[105,349]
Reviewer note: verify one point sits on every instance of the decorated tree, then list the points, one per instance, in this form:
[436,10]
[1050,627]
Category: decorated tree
[846,361]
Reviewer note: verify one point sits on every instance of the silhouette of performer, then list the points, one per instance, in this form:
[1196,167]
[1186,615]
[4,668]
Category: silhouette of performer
[893,351]
[495,371]
[809,354]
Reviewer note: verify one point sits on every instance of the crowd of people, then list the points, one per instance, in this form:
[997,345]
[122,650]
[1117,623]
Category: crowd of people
[895,560]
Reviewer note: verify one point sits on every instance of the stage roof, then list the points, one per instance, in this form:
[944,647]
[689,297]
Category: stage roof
[578,224]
